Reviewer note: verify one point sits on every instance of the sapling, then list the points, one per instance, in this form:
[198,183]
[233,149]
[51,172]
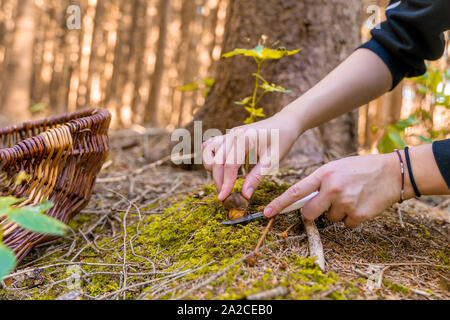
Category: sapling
[260,54]
[205,85]
[251,104]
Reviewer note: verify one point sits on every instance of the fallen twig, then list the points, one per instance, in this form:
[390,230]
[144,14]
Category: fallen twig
[285,233]
[141,170]
[264,235]
[314,243]
[269,294]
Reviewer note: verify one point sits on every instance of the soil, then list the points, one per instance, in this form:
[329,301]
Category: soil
[152,232]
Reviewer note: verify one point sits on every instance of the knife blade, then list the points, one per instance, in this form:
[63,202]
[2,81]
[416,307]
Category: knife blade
[295,206]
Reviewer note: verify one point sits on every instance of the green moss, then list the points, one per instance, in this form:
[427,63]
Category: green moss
[423,232]
[383,255]
[186,236]
[395,287]
[442,257]
[304,279]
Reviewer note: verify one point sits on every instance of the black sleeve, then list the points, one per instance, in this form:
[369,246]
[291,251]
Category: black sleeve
[412,33]
[441,151]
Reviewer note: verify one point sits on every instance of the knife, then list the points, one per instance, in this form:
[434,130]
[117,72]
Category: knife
[296,206]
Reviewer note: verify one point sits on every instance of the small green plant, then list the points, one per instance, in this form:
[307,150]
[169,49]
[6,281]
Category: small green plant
[435,83]
[260,54]
[434,86]
[31,218]
[38,107]
[394,135]
[205,84]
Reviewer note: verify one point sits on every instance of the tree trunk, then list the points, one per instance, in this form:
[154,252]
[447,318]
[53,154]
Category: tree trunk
[327,31]
[151,112]
[16,99]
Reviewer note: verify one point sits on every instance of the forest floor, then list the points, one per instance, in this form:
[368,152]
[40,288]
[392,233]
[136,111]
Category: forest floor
[153,232]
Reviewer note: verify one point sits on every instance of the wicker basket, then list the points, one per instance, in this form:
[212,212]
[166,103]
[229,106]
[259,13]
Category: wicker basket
[62,157]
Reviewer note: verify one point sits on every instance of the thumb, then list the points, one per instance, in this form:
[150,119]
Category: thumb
[293,194]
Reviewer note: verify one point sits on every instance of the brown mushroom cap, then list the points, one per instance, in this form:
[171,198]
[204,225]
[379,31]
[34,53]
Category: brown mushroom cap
[236,201]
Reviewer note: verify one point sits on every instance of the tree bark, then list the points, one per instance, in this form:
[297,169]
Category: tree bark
[151,112]
[16,98]
[327,31]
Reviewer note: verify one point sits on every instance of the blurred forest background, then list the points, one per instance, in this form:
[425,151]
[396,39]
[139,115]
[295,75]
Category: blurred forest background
[134,57]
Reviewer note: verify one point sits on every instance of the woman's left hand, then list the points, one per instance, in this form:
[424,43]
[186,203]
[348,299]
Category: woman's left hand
[353,190]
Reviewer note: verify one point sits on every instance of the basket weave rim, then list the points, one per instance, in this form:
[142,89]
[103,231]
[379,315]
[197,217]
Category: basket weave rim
[76,121]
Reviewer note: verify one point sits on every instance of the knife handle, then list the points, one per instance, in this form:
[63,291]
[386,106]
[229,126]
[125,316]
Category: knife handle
[300,203]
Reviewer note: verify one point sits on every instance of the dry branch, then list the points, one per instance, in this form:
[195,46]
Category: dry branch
[314,243]
[269,294]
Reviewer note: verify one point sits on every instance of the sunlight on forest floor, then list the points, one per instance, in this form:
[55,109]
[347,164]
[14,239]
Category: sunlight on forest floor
[156,235]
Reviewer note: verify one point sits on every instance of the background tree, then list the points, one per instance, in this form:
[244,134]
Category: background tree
[151,112]
[16,90]
[327,31]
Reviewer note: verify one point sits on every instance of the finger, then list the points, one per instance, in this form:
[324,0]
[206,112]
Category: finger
[230,174]
[209,151]
[297,192]
[254,178]
[218,168]
[235,148]
[317,206]
[336,214]
[352,223]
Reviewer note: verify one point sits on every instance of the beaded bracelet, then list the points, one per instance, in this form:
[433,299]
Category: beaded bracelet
[402,165]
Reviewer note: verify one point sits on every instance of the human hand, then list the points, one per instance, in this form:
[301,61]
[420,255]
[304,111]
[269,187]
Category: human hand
[224,155]
[353,190]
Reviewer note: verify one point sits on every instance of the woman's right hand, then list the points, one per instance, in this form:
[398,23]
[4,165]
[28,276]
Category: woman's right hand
[224,155]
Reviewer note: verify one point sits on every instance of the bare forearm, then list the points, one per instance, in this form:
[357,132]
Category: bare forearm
[361,78]
[426,173]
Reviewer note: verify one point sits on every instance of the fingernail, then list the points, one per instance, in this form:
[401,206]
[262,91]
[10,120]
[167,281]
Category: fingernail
[268,212]
[249,192]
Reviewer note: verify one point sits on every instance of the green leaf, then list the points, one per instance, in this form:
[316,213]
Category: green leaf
[243,102]
[277,54]
[257,75]
[447,74]
[392,140]
[249,120]
[21,177]
[33,219]
[274,88]
[423,114]
[37,107]
[7,261]
[250,110]
[403,124]
[209,82]
[422,89]
[193,86]
[256,112]
[434,80]
[398,140]
[6,202]
[374,129]
[424,139]
[261,53]
[259,113]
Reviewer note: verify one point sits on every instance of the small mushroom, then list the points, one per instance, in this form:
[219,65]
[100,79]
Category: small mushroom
[236,205]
